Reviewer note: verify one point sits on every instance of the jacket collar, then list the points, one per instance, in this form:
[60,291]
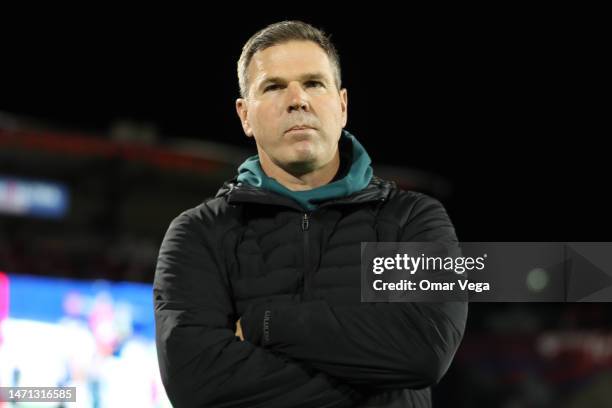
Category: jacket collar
[236,192]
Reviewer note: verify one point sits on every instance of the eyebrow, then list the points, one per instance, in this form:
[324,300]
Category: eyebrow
[303,78]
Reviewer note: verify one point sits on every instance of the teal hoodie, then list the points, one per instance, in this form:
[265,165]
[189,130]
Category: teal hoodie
[353,175]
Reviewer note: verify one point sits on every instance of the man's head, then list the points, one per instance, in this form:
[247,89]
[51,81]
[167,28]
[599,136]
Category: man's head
[289,76]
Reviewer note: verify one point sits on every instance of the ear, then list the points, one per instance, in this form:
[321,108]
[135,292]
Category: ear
[344,105]
[242,110]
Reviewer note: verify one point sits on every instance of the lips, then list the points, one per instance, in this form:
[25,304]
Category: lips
[299,127]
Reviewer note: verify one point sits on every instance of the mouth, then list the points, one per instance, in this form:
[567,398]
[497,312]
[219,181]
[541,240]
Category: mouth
[299,127]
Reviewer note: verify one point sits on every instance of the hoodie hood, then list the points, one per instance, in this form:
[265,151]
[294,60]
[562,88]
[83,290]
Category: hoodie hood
[353,175]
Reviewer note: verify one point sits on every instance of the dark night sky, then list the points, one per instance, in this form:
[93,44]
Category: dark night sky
[507,109]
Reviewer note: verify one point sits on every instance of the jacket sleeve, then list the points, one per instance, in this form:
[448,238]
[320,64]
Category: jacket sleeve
[375,345]
[202,362]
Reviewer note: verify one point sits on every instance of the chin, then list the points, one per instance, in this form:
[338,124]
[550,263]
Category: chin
[299,152]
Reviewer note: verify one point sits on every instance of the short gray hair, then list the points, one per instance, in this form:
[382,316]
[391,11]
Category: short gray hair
[280,33]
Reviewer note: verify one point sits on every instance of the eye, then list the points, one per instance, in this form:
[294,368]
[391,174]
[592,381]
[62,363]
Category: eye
[272,87]
[316,84]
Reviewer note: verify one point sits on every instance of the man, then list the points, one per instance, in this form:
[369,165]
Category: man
[257,291]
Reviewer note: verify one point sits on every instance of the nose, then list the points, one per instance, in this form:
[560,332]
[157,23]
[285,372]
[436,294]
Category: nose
[298,98]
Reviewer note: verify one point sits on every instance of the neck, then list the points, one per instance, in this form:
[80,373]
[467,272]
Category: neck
[300,181]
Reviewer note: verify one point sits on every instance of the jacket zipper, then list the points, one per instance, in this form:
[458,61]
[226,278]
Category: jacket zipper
[307,282]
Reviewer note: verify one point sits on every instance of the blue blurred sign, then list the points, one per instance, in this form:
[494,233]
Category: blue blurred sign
[33,198]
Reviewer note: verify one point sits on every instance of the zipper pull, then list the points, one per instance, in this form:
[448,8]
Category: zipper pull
[305,222]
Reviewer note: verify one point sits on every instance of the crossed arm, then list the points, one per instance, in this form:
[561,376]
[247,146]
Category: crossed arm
[374,346]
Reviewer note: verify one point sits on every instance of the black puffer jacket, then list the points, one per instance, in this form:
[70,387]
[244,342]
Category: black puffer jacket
[294,280]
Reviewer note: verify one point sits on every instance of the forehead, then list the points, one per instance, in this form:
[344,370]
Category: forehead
[289,60]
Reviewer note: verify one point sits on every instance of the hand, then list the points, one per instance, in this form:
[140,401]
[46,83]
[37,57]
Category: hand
[239,330]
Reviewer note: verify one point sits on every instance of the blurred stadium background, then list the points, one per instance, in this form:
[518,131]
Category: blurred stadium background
[102,144]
